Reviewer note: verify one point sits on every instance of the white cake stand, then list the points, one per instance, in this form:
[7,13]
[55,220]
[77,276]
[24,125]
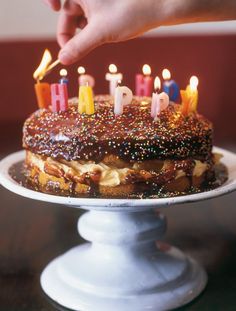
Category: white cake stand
[123,267]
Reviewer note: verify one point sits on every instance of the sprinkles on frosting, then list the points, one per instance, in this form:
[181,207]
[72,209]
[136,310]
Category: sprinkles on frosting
[132,136]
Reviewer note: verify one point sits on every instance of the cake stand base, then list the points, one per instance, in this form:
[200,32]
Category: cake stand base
[124,268]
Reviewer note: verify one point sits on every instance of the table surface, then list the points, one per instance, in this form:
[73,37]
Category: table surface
[33,233]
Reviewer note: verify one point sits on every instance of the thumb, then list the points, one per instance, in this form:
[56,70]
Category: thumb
[81,44]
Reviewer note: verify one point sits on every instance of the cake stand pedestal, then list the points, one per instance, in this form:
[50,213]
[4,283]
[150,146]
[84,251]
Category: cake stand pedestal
[124,266]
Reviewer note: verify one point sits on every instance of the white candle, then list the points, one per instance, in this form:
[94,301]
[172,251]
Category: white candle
[159,101]
[85,79]
[113,77]
[164,100]
[155,106]
[123,97]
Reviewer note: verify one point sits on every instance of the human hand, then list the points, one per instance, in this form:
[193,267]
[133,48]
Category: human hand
[103,21]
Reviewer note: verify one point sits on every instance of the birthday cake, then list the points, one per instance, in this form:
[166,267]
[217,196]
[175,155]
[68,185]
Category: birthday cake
[108,155]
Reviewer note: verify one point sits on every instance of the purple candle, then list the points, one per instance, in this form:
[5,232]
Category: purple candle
[170,87]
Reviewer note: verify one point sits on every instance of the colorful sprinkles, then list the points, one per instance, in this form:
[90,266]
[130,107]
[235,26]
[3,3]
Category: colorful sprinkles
[132,136]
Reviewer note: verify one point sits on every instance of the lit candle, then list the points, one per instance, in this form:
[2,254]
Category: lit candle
[59,97]
[113,77]
[123,97]
[144,82]
[159,101]
[86,103]
[155,106]
[63,74]
[193,92]
[190,96]
[42,90]
[43,94]
[85,79]
[42,68]
[170,87]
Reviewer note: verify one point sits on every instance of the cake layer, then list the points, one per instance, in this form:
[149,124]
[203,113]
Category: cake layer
[106,179]
[132,136]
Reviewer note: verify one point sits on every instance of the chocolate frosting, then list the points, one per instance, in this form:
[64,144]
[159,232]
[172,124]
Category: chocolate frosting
[132,136]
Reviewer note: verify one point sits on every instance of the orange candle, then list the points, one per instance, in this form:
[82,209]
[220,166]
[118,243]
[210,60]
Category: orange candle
[42,90]
[185,106]
[43,94]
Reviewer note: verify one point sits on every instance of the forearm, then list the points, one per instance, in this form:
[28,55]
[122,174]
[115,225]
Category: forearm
[171,12]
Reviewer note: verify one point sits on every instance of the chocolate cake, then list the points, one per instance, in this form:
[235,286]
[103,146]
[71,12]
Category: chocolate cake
[118,156]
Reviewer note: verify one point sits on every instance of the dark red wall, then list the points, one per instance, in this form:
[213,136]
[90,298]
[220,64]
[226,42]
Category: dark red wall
[212,59]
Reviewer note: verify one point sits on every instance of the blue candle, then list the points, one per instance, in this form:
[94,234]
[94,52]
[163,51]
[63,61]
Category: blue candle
[63,74]
[170,87]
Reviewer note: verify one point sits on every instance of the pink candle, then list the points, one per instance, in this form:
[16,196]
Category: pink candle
[59,95]
[85,79]
[144,82]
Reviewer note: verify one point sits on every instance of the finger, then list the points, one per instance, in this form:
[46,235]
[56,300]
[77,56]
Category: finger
[81,44]
[68,21]
[54,4]
[66,28]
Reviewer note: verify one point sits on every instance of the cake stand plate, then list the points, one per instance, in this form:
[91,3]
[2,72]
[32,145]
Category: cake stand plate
[123,267]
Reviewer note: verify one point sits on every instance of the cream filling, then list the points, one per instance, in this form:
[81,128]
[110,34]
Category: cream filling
[110,176]
[179,173]
[199,168]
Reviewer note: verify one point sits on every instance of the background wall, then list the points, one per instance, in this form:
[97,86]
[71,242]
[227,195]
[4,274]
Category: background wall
[28,27]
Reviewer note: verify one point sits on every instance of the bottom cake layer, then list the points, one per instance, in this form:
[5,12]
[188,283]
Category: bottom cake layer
[115,178]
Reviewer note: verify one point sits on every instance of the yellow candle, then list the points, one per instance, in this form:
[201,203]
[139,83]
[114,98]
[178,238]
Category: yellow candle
[86,103]
[192,93]
[190,96]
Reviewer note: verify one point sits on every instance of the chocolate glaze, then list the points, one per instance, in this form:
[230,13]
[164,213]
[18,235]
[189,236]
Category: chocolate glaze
[133,136]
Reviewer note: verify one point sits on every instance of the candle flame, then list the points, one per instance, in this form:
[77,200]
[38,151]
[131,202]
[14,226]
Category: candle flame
[112,68]
[193,83]
[81,70]
[42,68]
[157,83]
[166,74]
[63,72]
[146,69]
